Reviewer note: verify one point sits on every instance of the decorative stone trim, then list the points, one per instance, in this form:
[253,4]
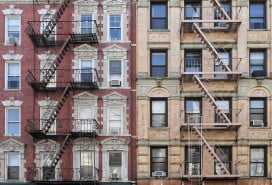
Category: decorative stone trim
[12,102]
[12,11]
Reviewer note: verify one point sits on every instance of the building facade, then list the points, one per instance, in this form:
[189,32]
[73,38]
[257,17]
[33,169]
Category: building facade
[204,92]
[67,92]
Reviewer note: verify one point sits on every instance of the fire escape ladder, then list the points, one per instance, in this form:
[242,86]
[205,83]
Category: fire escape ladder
[221,12]
[53,21]
[51,70]
[211,100]
[210,47]
[211,151]
[57,109]
[58,155]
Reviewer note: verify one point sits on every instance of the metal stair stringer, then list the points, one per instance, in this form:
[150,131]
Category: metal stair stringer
[210,47]
[54,113]
[219,8]
[209,148]
[51,70]
[211,99]
[53,21]
[58,155]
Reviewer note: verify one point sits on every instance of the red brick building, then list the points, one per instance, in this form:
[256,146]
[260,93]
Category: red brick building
[68,98]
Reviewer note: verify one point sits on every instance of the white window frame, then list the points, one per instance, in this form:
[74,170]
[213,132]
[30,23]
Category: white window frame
[7,164]
[7,121]
[86,27]
[44,69]
[7,75]
[115,77]
[7,17]
[120,168]
[81,71]
[43,109]
[47,18]
[109,119]
[121,27]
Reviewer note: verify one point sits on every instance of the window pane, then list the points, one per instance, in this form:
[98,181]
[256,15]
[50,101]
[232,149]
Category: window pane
[159,120]
[115,159]
[256,10]
[158,10]
[257,154]
[192,106]
[13,69]
[158,106]
[158,64]
[13,115]
[158,16]
[256,104]
[13,159]
[115,67]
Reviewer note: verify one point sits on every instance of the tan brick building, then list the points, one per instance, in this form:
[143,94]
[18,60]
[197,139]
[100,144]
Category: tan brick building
[204,92]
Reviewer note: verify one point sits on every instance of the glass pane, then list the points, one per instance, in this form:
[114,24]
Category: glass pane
[158,71]
[86,158]
[13,24]
[13,159]
[257,169]
[13,115]
[257,154]
[158,58]
[158,120]
[223,105]
[158,106]
[115,21]
[192,106]
[256,10]
[115,34]
[13,69]
[115,67]
[192,11]
[257,104]
[115,159]
[158,10]
[159,23]
[158,152]
[115,113]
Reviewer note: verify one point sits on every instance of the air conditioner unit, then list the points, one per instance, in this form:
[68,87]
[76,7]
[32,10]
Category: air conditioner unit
[115,175]
[115,130]
[257,123]
[115,83]
[159,174]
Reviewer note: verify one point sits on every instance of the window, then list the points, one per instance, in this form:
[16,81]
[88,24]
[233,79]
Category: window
[115,27]
[224,104]
[115,164]
[159,161]
[47,172]
[44,68]
[227,8]
[44,22]
[257,63]
[158,63]
[257,15]
[193,160]
[13,75]
[193,110]
[115,72]
[258,112]
[225,155]
[258,162]
[86,71]
[226,58]
[192,10]
[45,113]
[86,23]
[13,165]
[13,30]
[86,165]
[159,15]
[115,120]
[158,112]
[13,121]
[192,61]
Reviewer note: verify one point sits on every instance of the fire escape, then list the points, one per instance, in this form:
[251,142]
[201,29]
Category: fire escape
[52,79]
[217,118]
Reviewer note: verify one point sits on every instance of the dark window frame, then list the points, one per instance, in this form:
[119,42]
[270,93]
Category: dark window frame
[217,67]
[229,115]
[251,24]
[228,163]
[165,114]
[187,115]
[258,162]
[163,19]
[194,161]
[192,62]
[257,73]
[188,10]
[158,160]
[226,5]
[263,113]
[163,68]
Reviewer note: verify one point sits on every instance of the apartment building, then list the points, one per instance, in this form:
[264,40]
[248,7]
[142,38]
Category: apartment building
[66,92]
[204,92]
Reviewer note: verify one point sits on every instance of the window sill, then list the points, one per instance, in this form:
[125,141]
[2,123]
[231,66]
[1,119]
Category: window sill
[12,89]
[159,30]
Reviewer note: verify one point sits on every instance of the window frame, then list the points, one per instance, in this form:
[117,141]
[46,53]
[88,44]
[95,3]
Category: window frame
[229,114]
[120,128]
[154,19]
[227,163]
[163,68]
[113,167]
[119,28]
[264,113]
[264,65]
[188,162]
[193,4]
[86,74]
[255,2]
[192,61]
[162,160]
[7,17]
[115,75]
[264,162]
[165,113]
[7,165]
[227,61]
[7,76]
[198,116]
[7,121]
[89,26]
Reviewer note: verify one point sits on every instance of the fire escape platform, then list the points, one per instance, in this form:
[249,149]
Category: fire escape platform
[62,182]
[188,76]
[211,126]
[209,177]
[208,25]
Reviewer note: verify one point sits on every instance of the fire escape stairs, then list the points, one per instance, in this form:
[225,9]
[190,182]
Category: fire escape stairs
[211,151]
[58,155]
[53,21]
[54,113]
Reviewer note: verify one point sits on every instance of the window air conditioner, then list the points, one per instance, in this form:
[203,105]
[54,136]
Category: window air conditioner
[257,123]
[115,175]
[159,174]
[114,130]
[115,83]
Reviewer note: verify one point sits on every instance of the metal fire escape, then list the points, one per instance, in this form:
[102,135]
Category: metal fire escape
[201,78]
[63,80]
